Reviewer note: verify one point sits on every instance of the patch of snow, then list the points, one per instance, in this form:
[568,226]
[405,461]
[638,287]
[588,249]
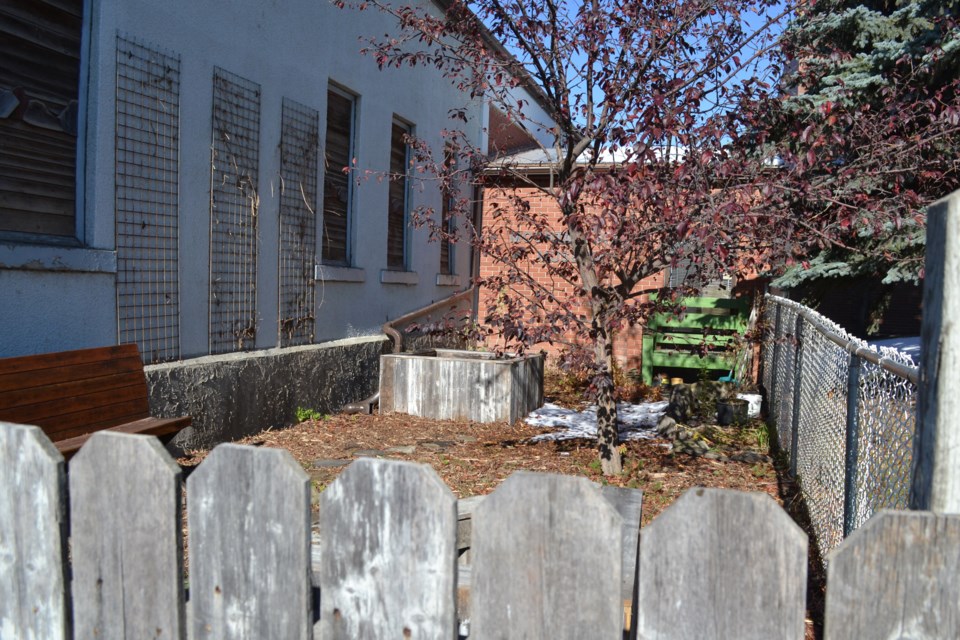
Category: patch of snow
[635,421]
[909,345]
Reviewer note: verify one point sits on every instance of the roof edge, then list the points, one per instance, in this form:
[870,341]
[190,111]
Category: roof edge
[527,80]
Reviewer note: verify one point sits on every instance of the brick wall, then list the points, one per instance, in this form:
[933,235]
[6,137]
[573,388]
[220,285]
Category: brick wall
[627,346]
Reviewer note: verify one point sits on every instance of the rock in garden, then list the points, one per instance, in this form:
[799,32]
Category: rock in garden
[406,450]
[329,464]
[667,426]
[750,457]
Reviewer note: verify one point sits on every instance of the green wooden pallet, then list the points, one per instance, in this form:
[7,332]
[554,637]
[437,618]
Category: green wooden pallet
[672,342]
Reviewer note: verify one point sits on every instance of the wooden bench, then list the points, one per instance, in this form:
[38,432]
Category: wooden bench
[72,394]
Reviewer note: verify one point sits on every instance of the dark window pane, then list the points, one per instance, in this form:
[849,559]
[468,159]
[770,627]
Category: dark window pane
[336,183]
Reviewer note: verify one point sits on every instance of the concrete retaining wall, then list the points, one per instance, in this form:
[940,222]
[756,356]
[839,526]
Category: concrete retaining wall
[238,394]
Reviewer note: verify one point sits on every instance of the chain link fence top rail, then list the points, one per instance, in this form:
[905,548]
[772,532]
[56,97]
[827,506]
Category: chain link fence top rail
[811,362]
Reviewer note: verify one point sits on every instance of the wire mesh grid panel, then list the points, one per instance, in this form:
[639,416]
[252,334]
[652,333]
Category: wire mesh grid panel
[821,436]
[147,141]
[887,407]
[234,207]
[299,138]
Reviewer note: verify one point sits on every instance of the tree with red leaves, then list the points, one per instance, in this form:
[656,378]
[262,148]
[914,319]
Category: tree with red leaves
[646,103]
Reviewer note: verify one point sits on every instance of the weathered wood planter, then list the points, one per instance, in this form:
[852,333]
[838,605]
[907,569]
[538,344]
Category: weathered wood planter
[451,384]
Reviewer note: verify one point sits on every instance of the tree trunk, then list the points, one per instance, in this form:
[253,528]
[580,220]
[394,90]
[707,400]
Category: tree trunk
[608,435]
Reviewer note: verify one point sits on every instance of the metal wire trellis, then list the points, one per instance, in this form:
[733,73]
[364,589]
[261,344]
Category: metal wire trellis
[234,208]
[299,142]
[147,146]
[844,412]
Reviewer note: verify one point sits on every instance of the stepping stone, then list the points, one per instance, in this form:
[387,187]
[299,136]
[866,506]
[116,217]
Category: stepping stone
[329,464]
[436,445]
[406,449]
[368,453]
[750,457]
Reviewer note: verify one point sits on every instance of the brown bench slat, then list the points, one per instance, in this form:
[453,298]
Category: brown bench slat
[49,411]
[22,380]
[159,427]
[62,391]
[20,364]
[89,421]
[72,394]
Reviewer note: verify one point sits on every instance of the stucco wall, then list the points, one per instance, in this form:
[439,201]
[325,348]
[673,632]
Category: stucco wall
[230,396]
[42,311]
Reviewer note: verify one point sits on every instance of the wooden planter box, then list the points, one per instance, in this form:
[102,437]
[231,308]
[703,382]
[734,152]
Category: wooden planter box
[453,384]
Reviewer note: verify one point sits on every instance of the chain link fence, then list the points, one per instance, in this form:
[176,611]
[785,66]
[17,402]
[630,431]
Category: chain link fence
[844,412]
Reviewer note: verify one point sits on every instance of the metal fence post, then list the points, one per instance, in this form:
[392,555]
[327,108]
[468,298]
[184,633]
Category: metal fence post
[853,446]
[797,382]
[774,400]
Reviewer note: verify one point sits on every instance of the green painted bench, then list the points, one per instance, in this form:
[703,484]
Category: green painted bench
[677,342]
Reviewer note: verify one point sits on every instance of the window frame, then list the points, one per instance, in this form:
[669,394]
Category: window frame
[407,130]
[348,240]
[447,222]
[78,238]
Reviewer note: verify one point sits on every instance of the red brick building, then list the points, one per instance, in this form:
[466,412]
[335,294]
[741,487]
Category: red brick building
[497,196]
[526,176]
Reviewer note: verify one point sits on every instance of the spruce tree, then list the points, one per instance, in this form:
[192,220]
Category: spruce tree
[871,127]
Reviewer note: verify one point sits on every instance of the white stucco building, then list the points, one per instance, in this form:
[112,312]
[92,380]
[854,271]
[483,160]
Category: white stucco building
[201,137]
[170,174]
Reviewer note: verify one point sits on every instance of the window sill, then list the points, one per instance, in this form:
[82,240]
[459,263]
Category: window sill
[33,257]
[399,277]
[326,273]
[448,280]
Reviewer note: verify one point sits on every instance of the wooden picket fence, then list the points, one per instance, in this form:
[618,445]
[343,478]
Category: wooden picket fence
[98,554]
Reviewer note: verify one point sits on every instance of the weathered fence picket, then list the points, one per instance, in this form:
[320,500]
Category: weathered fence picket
[722,564]
[546,555]
[936,474]
[908,563]
[248,512]
[125,534]
[388,532]
[629,504]
[33,536]
[546,561]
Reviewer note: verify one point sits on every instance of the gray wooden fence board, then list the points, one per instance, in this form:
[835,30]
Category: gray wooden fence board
[936,469]
[126,537]
[33,600]
[546,561]
[722,564]
[387,553]
[248,510]
[629,504]
[898,576]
